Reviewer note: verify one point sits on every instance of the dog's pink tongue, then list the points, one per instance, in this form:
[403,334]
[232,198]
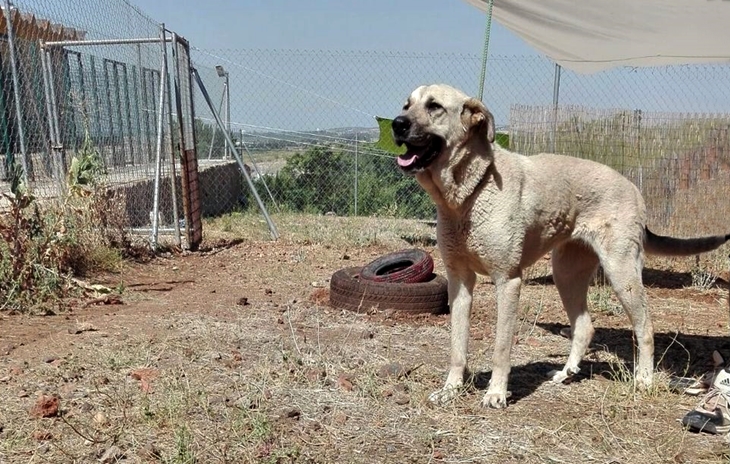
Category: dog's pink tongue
[405,160]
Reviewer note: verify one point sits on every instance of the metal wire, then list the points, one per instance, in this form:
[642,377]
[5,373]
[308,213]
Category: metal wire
[306,120]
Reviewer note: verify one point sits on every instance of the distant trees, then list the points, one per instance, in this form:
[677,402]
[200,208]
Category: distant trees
[204,139]
[322,179]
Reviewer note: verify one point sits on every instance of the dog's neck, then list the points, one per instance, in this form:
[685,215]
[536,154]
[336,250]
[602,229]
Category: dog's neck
[450,185]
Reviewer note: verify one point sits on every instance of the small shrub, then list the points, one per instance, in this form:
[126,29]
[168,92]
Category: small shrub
[34,249]
[702,279]
[43,246]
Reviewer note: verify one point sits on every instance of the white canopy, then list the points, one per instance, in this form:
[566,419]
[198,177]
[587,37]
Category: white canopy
[592,35]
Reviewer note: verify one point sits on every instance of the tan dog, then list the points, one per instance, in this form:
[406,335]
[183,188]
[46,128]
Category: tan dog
[499,212]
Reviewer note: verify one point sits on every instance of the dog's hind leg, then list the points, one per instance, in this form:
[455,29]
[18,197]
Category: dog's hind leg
[461,290]
[623,268]
[574,264]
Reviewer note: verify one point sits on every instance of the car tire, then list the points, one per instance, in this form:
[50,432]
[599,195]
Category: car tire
[349,291]
[405,266]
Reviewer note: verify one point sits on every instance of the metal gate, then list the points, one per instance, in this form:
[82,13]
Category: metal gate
[113,93]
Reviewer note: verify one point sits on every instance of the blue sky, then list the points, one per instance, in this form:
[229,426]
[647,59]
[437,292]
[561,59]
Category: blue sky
[325,63]
[442,26]
[357,87]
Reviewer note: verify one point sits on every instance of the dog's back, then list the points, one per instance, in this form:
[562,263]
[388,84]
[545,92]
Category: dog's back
[606,201]
[553,198]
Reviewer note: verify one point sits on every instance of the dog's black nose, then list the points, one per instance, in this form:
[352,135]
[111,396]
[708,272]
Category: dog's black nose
[400,125]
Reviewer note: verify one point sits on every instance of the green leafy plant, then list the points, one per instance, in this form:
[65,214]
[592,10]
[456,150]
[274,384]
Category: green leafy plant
[387,143]
[85,169]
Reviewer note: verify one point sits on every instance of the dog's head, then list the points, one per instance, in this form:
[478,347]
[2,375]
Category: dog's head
[435,121]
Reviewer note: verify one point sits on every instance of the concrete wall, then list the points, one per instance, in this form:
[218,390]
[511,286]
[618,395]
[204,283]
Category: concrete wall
[221,186]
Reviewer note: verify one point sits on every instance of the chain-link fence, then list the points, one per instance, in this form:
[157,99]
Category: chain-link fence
[305,121]
[102,93]
[89,88]
[666,129]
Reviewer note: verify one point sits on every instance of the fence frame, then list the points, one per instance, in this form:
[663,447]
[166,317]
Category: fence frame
[16,91]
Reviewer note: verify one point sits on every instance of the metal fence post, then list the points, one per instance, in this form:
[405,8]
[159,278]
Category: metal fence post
[228,111]
[556,98]
[485,50]
[110,114]
[158,147]
[82,89]
[128,114]
[272,227]
[192,205]
[55,137]
[95,115]
[173,173]
[138,109]
[118,105]
[356,173]
[16,93]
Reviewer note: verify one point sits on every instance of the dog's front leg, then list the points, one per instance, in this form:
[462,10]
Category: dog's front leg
[461,290]
[508,296]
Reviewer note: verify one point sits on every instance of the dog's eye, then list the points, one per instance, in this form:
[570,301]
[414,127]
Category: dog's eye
[433,106]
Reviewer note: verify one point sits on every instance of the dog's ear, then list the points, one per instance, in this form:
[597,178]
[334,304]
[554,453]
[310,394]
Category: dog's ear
[476,117]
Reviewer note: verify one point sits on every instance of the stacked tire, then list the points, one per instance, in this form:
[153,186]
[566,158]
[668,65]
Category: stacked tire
[402,281]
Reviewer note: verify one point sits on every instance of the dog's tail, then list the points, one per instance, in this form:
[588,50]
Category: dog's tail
[669,246]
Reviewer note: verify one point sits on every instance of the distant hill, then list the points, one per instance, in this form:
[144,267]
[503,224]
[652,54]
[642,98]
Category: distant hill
[268,140]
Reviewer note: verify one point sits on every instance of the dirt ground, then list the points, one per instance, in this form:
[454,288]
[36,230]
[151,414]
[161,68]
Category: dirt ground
[233,355]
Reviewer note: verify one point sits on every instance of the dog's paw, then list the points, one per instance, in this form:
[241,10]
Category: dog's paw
[495,400]
[564,375]
[446,394]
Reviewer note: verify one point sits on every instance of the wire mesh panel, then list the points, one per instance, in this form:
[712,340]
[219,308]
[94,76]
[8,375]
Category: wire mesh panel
[89,92]
[305,124]
[666,129]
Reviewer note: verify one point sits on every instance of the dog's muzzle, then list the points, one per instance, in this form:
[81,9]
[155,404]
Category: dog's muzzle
[421,149]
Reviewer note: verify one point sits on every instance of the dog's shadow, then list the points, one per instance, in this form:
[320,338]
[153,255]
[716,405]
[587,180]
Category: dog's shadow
[653,278]
[675,353]
[523,380]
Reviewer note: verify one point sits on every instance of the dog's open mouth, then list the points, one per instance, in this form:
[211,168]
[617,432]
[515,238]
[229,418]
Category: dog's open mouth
[419,157]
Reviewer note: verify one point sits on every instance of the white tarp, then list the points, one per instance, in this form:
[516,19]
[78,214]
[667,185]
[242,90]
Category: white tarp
[592,35]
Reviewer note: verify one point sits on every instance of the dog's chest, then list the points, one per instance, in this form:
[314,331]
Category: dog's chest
[464,242]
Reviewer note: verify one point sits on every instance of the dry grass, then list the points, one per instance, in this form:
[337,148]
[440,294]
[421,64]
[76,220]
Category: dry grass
[187,375]
[216,401]
[326,230]
[703,209]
